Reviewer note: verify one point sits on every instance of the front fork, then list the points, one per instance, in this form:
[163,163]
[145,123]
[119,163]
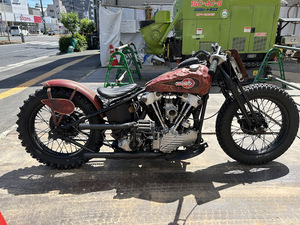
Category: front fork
[241,98]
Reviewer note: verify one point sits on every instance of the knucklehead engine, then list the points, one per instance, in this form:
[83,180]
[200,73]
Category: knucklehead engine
[163,115]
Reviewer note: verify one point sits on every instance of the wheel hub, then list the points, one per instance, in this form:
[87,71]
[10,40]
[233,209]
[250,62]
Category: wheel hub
[257,128]
[59,132]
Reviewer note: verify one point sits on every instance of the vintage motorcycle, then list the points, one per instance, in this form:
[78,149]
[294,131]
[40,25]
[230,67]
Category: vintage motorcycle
[65,124]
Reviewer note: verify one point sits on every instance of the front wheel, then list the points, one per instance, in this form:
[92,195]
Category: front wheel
[55,146]
[279,117]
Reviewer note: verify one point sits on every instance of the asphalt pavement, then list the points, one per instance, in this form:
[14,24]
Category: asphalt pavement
[208,189]
[28,76]
[34,47]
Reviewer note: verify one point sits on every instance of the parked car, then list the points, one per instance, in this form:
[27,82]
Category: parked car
[17,30]
[51,32]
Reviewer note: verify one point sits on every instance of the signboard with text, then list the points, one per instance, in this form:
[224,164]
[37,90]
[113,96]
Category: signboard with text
[24,18]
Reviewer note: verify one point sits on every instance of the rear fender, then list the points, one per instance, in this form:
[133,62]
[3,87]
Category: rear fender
[91,96]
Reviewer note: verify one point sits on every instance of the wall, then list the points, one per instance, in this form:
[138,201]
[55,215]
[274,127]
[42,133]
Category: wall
[291,11]
[20,7]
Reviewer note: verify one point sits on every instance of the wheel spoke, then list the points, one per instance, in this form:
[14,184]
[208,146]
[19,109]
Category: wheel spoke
[43,129]
[265,114]
[254,142]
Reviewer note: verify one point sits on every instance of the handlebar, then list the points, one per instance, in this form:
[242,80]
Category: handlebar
[213,67]
[215,59]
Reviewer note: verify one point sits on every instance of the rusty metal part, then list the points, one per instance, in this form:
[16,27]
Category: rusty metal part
[59,105]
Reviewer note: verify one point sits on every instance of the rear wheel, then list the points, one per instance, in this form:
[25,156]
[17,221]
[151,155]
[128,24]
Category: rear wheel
[279,117]
[53,146]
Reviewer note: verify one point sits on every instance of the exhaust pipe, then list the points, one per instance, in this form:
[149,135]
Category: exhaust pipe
[106,126]
[123,155]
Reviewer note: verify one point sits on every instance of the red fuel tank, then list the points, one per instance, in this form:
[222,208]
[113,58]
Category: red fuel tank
[185,80]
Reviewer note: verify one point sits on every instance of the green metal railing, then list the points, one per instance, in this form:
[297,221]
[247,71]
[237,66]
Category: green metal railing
[278,50]
[128,57]
[267,62]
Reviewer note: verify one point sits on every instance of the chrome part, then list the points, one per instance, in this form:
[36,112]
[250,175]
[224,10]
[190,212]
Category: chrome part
[218,55]
[173,129]
[159,112]
[159,117]
[193,100]
[236,68]
[171,141]
[185,124]
[156,142]
[150,97]
[171,111]
[145,126]
[124,144]
[180,118]
[194,67]
[181,112]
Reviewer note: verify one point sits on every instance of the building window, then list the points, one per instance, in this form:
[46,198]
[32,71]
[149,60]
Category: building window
[51,10]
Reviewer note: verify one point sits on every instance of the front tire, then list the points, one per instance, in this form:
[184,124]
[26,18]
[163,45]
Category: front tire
[48,145]
[279,114]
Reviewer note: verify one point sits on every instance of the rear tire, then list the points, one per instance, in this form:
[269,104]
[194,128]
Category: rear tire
[36,130]
[281,120]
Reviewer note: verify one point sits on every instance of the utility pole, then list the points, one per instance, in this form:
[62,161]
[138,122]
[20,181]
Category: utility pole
[6,24]
[72,5]
[43,16]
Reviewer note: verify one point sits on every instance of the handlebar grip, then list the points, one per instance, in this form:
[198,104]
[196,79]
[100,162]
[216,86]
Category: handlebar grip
[213,67]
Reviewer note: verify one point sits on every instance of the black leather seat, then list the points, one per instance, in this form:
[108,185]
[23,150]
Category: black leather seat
[117,91]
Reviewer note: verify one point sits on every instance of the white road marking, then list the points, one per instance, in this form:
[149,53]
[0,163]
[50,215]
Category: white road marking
[12,66]
[42,43]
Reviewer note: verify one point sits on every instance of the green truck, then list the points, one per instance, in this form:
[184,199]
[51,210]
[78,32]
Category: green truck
[246,25]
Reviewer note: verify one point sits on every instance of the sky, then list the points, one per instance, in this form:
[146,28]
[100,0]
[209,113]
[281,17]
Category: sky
[45,2]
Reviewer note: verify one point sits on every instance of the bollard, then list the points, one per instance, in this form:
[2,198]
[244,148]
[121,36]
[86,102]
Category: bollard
[22,37]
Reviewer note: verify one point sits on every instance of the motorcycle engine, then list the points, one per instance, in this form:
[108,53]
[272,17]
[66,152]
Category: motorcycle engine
[168,127]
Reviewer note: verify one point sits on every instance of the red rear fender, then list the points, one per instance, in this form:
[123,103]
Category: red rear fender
[80,88]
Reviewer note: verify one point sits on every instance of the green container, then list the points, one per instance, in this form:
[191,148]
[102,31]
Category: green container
[246,25]
[153,30]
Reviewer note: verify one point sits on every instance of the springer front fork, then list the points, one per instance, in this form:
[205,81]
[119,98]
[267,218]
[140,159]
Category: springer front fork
[242,100]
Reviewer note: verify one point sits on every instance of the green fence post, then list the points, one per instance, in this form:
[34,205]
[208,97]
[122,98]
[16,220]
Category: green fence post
[267,62]
[131,59]
[122,66]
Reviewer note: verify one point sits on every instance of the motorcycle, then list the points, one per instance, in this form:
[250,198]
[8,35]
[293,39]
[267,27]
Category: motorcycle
[64,124]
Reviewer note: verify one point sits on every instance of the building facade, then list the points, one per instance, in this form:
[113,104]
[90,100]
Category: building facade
[16,12]
[55,10]
[84,8]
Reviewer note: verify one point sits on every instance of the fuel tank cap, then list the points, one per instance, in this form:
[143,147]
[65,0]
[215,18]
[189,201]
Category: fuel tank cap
[194,67]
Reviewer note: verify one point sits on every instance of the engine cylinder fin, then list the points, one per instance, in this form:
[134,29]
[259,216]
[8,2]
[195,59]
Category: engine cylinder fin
[170,142]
